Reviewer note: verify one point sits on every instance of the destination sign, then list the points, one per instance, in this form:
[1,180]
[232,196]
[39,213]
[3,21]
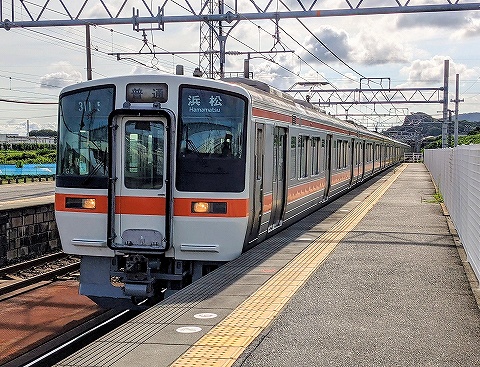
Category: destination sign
[147,92]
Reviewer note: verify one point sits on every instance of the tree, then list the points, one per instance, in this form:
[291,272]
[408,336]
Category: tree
[43,133]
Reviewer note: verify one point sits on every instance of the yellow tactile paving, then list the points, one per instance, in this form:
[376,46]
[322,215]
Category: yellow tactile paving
[259,314]
[232,340]
[233,330]
[205,362]
[255,306]
[240,323]
[222,345]
[212,352]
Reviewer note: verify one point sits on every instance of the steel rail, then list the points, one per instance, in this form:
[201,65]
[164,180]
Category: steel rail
[50,275]
[65,344]
[31,263]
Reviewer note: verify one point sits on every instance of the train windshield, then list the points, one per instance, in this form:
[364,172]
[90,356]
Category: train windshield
[83,138]
[211,132]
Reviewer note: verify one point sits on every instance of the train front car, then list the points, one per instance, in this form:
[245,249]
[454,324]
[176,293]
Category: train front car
[151,185]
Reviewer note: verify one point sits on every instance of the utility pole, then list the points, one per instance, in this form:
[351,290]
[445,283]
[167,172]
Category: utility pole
[456,101]
[89,52]
[445,103]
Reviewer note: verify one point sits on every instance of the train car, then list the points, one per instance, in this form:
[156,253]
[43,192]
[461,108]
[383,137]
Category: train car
[162,178]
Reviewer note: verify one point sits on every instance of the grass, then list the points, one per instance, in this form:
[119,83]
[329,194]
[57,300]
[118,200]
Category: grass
[437,198]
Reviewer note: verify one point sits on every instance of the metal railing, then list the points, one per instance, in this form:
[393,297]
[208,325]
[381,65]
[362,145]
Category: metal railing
[456,171]
[413,157]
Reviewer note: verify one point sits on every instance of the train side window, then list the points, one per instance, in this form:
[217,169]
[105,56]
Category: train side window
[324,156]
[339,153]
[303,145]
[345,155]
[293,157]
[355,154]
[334,154]
[369,149]
[279,139]
[338,147]
[316,156]
[275,157]
[259,155]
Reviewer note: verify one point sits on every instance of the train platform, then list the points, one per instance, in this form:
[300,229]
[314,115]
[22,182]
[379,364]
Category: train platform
[373,279]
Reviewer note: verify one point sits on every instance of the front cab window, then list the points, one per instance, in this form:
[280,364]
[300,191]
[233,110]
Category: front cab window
[83,137]
[212,144]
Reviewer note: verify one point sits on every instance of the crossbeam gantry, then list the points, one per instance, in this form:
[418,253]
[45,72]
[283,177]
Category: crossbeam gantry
[53,13]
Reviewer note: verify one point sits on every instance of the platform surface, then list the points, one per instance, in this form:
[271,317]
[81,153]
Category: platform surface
[373,279]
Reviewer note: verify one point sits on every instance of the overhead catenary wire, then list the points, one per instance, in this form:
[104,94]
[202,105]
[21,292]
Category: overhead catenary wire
[27,102]
[101,42]
[270,59]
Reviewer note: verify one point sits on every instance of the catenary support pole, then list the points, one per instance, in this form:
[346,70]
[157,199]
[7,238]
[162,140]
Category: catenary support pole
[445,103]
[89,52]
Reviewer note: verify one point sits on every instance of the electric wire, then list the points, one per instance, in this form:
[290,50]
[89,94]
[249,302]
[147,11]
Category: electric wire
[329,50]
[101,42]
[270,59]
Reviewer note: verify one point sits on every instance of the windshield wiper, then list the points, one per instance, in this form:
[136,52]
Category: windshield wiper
[100,163]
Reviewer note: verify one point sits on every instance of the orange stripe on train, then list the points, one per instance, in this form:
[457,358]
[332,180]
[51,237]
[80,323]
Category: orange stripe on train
[297,192]
[138,205]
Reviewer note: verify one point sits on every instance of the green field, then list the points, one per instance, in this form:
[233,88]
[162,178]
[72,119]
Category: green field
[462,140]
[46,154]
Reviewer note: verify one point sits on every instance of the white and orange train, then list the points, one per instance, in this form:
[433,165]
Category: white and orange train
[162,178]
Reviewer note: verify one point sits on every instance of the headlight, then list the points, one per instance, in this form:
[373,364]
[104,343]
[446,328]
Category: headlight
[209,207]
[80,203]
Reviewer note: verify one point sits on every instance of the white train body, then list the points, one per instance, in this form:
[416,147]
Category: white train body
[162,178]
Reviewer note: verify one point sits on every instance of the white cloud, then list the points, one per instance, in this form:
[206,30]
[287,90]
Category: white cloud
[140,69]
[364,48]
[437,20]
[375,49]
[469,29]
[431,72]
[462,24]
[336,40]
[64,74]
[273,74]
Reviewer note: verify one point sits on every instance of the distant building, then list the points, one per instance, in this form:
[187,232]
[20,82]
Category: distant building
[15,138]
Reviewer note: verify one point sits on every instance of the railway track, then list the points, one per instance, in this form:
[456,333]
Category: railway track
[32,285]
[58,348]
[35,273]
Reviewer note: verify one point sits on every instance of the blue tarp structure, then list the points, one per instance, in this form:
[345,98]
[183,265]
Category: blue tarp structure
[47,169]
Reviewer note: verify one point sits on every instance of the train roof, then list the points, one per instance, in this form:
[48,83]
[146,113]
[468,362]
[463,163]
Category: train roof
[257,89]
[260,92]
[263,94]
[149,78]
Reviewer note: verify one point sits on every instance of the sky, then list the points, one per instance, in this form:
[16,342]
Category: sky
[409,49]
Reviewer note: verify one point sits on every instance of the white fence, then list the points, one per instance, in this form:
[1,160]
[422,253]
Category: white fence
[457,175]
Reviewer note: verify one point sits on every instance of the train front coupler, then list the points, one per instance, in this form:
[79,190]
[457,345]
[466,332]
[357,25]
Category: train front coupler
[138,279]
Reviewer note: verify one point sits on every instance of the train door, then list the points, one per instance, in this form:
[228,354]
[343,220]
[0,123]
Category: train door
[279,169]
[142,197]
[258,183]
[328,165]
